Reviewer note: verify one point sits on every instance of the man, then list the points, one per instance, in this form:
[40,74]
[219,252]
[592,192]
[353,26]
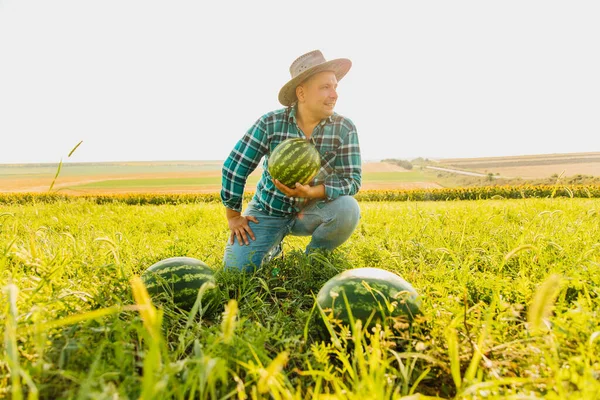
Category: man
[324,209]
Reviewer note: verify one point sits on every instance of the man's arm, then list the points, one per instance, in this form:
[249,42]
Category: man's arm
[239,227]
[347,176]
[242,161]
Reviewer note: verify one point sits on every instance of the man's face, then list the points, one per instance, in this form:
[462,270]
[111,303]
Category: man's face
[319,94]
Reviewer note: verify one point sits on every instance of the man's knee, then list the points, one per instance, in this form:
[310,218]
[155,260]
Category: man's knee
[347,211]
[339,222]
[242,258]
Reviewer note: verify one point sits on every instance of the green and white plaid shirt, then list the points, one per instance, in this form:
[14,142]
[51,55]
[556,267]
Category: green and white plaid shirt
[336,139]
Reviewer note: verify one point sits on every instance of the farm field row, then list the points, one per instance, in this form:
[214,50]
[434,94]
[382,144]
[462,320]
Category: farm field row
[531,167]
[559,157]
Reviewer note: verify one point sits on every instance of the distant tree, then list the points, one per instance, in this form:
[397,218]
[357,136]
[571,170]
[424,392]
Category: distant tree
[420,161]
[401,163]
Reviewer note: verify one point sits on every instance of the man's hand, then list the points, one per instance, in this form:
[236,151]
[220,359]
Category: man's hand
[239,227]
[302,191]
[299,191]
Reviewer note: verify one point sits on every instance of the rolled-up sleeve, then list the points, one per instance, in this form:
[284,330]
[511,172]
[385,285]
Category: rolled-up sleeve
[242,161]
[346,179]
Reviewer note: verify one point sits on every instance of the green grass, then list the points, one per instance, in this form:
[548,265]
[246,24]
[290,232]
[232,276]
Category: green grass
[510,290]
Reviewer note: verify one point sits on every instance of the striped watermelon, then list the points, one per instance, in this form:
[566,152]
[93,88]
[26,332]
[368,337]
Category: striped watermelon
[367,290]
[177,279]
[294,160]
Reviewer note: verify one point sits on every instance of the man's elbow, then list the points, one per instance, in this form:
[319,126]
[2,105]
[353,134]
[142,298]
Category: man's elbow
[355,186]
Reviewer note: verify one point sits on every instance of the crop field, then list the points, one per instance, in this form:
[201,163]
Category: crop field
[531,167]
[171,177]
[510,294]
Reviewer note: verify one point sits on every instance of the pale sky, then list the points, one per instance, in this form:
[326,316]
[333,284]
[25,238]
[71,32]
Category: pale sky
[184,80]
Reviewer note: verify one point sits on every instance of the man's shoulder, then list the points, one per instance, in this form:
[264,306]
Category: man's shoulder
[343,121]
[270,121]
[275,115]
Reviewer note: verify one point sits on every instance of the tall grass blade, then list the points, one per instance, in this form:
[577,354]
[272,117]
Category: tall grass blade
[10,341]
[229,321]
[33,393]
[271,377]
[332,334]
[478,352]
[56,175]
[418,380]
[86,386]
[152,320]
[556,184]
[150,315]
[60,166]
[453,354]
[74,148]
[196,308]
[517,250]
[73,319]
[542,304]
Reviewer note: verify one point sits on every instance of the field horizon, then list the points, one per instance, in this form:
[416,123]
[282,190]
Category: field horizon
[204,176]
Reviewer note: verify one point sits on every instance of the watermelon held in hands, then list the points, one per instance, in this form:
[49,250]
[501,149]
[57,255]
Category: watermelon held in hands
[294,160]
[371,293]
[178,279]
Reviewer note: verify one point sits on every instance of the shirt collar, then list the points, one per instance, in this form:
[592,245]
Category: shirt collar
[293,109]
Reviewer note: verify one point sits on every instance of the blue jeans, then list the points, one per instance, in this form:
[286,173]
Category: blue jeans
[330,224]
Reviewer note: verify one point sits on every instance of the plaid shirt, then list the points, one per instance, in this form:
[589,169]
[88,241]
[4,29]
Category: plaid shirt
[336,139]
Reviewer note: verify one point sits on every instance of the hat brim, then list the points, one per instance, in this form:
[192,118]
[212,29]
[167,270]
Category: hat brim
[339,66]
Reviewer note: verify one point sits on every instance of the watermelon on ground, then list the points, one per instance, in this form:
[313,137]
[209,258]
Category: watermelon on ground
[177,279]
[294,160]
[371,292]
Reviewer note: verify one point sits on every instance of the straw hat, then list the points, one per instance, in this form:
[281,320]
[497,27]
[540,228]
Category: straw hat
[307,65]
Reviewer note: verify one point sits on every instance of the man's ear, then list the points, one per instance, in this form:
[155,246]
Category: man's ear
[300,93]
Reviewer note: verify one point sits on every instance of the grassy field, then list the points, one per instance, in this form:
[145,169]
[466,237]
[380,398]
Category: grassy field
[510,291]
